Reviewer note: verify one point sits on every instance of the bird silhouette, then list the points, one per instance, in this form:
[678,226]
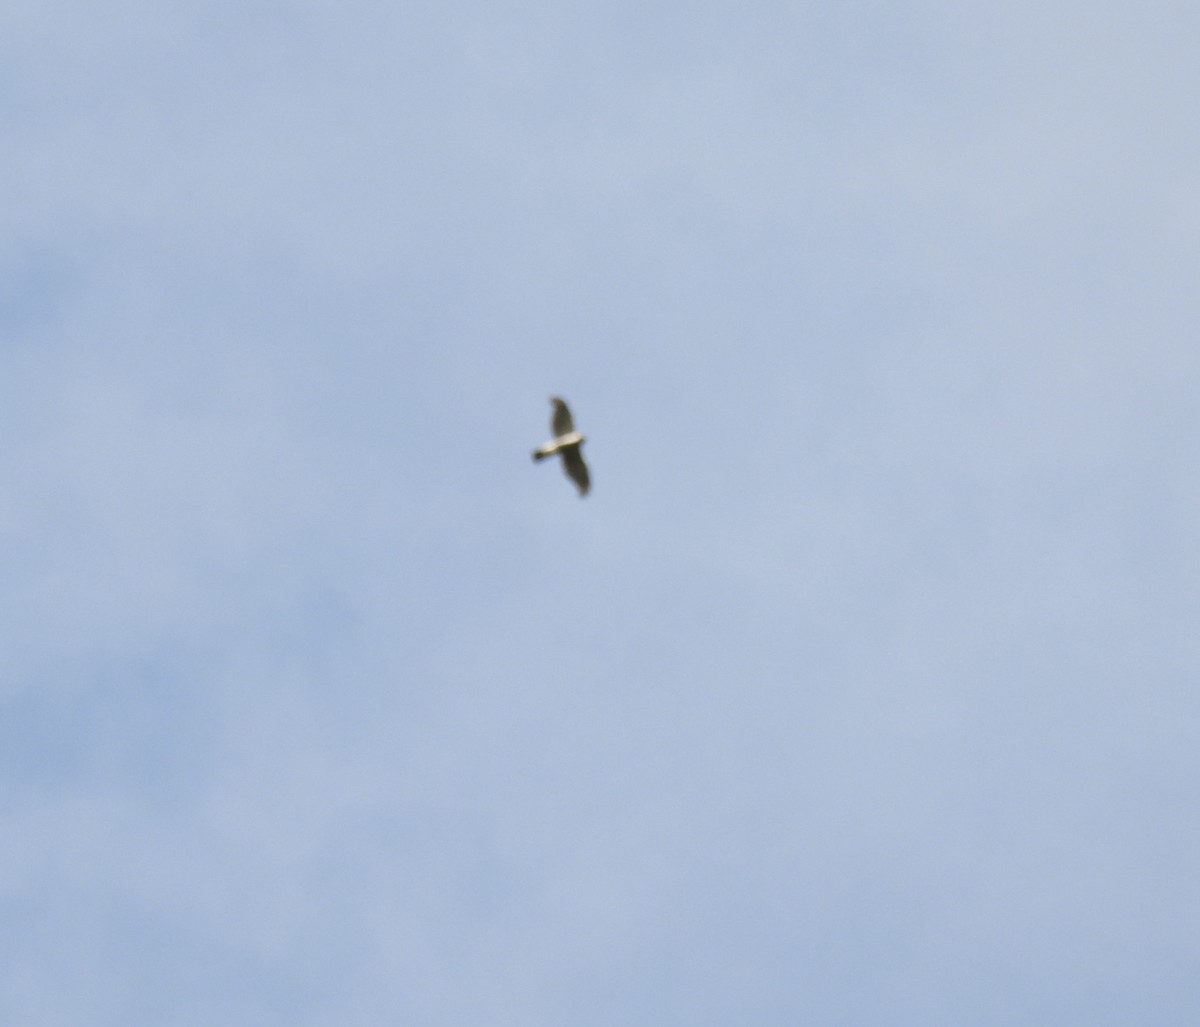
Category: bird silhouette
[567,443]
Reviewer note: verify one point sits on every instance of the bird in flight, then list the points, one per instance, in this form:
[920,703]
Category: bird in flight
[568,443]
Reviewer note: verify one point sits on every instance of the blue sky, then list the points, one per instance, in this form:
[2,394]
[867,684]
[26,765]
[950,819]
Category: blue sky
[861,690]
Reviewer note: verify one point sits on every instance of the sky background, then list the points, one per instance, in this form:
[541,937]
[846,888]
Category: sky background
[863,688]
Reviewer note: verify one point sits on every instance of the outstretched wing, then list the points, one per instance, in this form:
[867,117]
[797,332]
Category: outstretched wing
[561,423]
[577,470]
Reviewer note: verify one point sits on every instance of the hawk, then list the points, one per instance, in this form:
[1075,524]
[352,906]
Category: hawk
[568,443]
